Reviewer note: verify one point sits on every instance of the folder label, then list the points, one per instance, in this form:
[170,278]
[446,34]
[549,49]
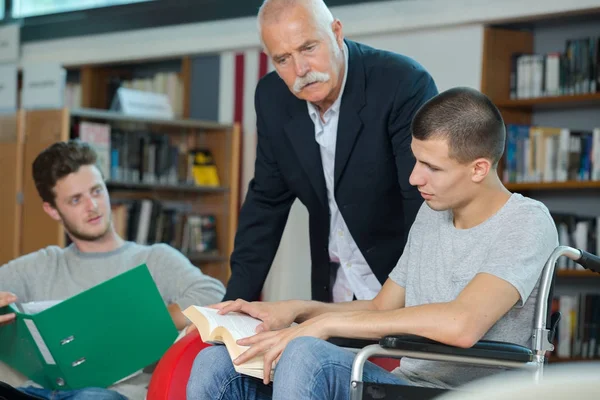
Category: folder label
[39,341]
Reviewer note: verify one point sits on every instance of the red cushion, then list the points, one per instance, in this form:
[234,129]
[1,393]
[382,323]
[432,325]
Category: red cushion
[389,364]
[169,379]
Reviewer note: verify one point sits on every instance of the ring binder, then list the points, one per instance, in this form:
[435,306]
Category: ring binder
[67,340]
[78,362]
[93,339]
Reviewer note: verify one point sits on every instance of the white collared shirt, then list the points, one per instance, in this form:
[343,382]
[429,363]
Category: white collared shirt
[354,277]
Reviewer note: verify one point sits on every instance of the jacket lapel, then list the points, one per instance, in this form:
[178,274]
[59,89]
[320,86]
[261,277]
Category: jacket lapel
[300,131]
[353,100]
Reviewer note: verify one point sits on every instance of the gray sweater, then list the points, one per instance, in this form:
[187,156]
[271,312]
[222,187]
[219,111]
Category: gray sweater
[54,273]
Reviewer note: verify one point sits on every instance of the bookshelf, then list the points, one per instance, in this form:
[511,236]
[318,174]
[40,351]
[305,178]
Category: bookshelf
[88,95]
[577,274]
[12,140]
[578,111]
[567,185]
[94,85]
[43,127]
[188,188]
[575,100]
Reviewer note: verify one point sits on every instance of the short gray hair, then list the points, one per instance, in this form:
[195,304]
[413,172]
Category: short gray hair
[271,10]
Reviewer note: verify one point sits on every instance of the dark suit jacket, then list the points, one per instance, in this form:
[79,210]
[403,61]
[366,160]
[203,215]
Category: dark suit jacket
[373,162]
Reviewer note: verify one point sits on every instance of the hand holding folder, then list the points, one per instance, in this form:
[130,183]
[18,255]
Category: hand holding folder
[6,299]
[95,338]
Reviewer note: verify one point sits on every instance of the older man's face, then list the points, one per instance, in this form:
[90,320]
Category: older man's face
[305,57]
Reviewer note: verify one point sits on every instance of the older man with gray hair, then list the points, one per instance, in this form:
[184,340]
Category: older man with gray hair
[333,131]
[333,125]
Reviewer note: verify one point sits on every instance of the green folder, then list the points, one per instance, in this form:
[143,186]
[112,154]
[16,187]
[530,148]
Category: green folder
[93,339]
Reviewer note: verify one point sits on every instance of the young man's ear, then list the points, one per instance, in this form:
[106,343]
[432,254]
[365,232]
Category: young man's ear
[481,169]
[51,211]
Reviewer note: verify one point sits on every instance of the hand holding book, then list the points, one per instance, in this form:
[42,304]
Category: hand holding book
[271,344]
[274,315]
[252,353]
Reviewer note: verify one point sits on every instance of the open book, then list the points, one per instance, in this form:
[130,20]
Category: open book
[228,329]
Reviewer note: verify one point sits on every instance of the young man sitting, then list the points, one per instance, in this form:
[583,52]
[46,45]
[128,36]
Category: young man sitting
[469,272]
[74,193]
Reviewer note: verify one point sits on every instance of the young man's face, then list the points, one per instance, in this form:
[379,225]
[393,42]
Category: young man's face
[443,182]
[304,56]
[82,204]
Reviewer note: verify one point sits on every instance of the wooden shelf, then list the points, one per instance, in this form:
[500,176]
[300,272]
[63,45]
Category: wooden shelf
[562,101]
[553,185]
[577,274]
[165,188]
[105,115]
[200,257]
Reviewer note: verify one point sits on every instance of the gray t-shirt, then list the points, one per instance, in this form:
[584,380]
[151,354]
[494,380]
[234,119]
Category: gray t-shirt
[440,260]
[54,273]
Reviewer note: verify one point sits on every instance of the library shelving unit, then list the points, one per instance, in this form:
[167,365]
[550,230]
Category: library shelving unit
[43,127]
[11,159]
[577,111]
[96,84]
[89,92]
[499,45]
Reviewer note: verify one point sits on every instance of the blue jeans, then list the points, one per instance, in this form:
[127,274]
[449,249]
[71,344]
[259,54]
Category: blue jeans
[309,368]
[79,394]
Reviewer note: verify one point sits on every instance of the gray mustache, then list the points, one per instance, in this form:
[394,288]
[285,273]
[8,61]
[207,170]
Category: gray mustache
[309,78]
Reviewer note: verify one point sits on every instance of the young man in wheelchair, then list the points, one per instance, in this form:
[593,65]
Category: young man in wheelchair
[469,272]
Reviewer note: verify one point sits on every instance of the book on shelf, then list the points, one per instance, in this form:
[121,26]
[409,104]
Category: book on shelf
[204,169]
[168,83]
[227,330]
[147,221]
[141,157]
[199,234]
[98,136]
[148,158]
[551,154]
[578,333]
[578,231]
[573,70]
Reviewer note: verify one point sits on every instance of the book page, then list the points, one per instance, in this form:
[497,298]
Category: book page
[240,325]
[35,307]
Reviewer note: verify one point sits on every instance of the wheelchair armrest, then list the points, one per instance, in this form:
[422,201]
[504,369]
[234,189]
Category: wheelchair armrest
[352,343]
[483,349]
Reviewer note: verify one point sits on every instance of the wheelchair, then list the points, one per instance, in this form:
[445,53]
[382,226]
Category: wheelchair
[172,372]
[483,353]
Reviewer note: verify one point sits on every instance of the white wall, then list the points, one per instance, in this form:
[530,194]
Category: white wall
[373,18]
[452,55]
[289,277]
